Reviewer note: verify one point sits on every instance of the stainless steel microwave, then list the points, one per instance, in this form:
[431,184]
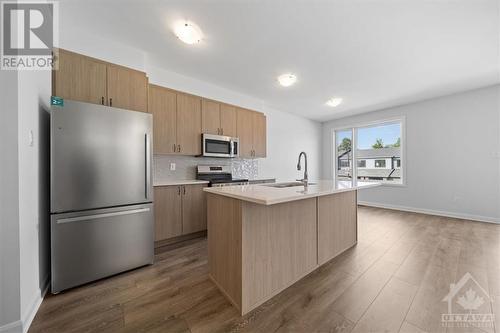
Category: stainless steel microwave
[220,146]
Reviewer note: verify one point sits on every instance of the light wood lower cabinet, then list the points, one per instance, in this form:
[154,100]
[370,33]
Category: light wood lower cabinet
[337,224]
[179,210]
[194,209]
[168,212]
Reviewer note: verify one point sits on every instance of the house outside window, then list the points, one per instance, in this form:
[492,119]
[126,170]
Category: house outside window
[370,152]
[344,163]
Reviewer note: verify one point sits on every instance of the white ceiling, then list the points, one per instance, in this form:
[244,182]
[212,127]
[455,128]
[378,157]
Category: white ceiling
[372,53]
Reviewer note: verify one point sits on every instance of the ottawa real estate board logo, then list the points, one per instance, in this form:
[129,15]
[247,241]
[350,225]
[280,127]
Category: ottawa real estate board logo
[469,305]
[29,33]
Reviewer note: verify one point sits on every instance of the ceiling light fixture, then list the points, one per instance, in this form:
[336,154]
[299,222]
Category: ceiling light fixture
[188,32]
[286,80]
[333,102]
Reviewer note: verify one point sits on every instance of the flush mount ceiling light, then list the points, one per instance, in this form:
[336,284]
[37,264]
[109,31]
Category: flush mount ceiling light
[188,32]
[286,80]
[333,102]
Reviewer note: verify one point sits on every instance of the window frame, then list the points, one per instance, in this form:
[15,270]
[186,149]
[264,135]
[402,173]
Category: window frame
[354,130]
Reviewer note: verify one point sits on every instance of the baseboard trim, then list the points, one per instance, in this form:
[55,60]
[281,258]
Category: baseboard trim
[14,327]
[29,315]
[477,218]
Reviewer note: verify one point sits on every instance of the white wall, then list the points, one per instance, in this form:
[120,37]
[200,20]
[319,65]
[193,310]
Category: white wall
[34,89]
[452,155]
[9,206]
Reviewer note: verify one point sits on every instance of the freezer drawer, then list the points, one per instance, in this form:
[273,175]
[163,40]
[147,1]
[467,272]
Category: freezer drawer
[90,245]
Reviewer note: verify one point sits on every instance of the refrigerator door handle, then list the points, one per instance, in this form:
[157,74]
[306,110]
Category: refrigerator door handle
[147,156]
[100,216]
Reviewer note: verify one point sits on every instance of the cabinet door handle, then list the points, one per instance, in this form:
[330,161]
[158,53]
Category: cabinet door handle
[102,100]
[184,189]
[178,190]
[178,148]
[110,102]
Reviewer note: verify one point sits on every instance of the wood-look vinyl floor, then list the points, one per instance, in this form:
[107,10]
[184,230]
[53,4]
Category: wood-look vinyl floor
[393,280]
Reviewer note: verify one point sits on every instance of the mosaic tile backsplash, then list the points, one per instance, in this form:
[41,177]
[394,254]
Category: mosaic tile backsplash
[186,167]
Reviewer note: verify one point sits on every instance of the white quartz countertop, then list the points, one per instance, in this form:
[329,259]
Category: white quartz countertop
[266,195]
[179,182]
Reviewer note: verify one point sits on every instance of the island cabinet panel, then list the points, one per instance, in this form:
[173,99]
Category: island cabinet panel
[127,88]
[279,244]
[163,105]
[188,124]
[337,224]
[168,212]
[228,120]
[79,78]
[224,245]
[210,117]
[194,209]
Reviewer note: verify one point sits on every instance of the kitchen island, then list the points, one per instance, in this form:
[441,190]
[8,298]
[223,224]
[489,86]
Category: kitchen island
[264,238]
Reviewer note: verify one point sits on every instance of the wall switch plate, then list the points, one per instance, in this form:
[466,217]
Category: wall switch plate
[31,138]
[172,166]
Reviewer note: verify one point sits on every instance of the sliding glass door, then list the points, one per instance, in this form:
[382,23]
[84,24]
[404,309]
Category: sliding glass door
[343,156]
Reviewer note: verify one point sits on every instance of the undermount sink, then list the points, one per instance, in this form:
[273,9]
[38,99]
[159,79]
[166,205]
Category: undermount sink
[289,184]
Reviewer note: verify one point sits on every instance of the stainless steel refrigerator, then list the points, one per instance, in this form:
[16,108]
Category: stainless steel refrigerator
[101,192]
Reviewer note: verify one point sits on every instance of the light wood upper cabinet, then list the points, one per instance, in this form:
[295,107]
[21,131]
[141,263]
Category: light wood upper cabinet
[245,131]
[163,105]
[210,117]
[168,212]
[127,88]
[188,124]
[228,120]
[218,118]
[194,209]
[251,129]
[90,80]
[79,78]
[259,134]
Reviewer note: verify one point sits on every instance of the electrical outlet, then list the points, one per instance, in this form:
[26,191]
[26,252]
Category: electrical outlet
[172,166]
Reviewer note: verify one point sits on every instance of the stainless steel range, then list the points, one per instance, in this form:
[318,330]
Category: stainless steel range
[218,175]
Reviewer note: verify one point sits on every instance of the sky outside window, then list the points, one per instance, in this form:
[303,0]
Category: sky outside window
[389,134]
